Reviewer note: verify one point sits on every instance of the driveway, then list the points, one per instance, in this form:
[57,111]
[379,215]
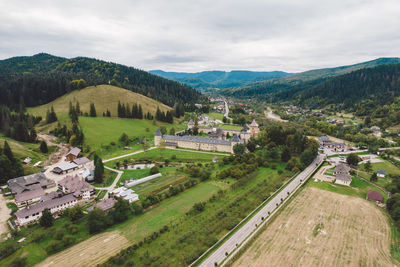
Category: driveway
[4,215]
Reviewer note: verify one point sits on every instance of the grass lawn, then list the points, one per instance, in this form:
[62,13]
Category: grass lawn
[109,177]
[216,115]
[100,132]
[174,155]
[385,165]
[358,187]
[230,126]
[169,210]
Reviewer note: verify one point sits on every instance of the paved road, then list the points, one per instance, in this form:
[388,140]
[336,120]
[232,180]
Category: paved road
[128,155]
[238,237]
[273,116]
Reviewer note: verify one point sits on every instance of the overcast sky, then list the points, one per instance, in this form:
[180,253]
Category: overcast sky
[288,35]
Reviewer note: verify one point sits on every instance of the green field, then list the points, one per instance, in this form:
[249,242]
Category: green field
[103,96]
[174,155]
[100,132]
[358,187]
[215,115]
[230,126]
[390,168]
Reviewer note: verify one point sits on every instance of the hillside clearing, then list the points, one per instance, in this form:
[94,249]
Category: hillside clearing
[321,228]
[103,96]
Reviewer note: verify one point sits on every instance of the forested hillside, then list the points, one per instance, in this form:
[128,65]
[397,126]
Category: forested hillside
[209,80]
[288,85]
[36,80]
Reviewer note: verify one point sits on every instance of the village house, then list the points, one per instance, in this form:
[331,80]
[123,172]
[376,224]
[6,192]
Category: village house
[72,154]
[374,196]
[65,168]
[381,173]
[33,213]
[76,186]
[81,161]
[29,197]
[27,161]
[343,176]
[29,182]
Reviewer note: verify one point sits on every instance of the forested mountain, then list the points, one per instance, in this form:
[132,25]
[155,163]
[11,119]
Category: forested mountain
[359,90]
[210,80]
[302,80]
[36,80]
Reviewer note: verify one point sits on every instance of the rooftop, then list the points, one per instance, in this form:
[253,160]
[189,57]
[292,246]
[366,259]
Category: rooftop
[344,177]
[158,133]
[29,182]
[75,185]
[74,151]
[67,166]
[105,204]
[197,139]
[374,195]
[80,161]
[28,195]
[254,124]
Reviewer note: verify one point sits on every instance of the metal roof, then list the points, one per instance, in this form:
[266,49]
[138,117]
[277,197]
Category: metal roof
[158,133]
[197,139]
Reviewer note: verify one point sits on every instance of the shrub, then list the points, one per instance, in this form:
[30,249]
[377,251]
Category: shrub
[68,240]
[8,250]
[54,246]
[59,234]
[154,170]
[18,262]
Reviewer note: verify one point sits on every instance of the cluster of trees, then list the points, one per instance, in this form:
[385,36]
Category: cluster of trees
[98,169]
[179,110]
[124,111]
[393,203]
[40,79]
[74,112]
[164,116]
[10,167]
[73,136]
[51,115]
[19,126]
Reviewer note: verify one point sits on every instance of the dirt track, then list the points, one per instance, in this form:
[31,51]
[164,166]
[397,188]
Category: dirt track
[4,215]
[353,232]
[89,252]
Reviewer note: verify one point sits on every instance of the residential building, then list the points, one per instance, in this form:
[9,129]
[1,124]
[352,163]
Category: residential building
[76,186]
[65,168]
[73,154]
[381,173]
[27,160]
[29,197]
[29,182]
[33,213]
[343,176]
[81,161]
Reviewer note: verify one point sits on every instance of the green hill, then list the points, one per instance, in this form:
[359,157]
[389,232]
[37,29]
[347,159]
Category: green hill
[303,79]
[103,96]
[40,79]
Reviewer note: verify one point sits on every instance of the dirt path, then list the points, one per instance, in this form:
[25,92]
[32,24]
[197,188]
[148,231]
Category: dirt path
[4,215]
[353,232]
[89,252]
[272,116]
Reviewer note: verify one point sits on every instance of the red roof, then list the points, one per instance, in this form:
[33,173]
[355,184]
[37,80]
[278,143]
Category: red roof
[374,195]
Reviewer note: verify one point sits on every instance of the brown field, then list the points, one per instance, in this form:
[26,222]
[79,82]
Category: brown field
[322,228]
[89,252]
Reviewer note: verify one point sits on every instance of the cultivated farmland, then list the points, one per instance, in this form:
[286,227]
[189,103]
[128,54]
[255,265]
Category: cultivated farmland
[322,228]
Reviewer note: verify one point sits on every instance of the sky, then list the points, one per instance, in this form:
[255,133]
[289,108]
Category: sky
[190,36]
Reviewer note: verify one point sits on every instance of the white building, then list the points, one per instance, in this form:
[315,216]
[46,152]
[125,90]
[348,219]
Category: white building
[126,194]
[76,186]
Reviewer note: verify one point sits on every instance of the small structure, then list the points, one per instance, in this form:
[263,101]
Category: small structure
[374,196]
[126,194]
[324,141]
[34,212]
[215,159]
[375,128]
[381,173]
[81,161]
[190,124]
[73,154]
[341,169]
[29,182]
[142,180]
[88,175]
[254,130]
[29,197]
[105,204]
[65,168]
[76,186]
[27,160]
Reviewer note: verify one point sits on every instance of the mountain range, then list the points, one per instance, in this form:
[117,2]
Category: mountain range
[209,81]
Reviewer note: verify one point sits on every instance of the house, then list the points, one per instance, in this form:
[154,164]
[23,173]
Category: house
[88,175]
[33,213]
[381,173]
[29,182]
[81,161]
[27,160]
[28,197]
[215,159]
[341,169]
[105,204]
[65,168]
[343,179]
[73,154]
[375,128]
[324,141]
[126,194]
[76,186]
[374,196]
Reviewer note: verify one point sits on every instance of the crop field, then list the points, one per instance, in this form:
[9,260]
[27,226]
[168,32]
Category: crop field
[322,228]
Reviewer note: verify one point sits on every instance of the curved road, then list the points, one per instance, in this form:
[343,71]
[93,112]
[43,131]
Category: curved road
[229,246]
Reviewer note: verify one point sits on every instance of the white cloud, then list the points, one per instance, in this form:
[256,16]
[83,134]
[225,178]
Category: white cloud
[189,35]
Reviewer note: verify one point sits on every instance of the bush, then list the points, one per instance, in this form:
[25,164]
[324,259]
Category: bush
[8,250]
[54,246]
[18,262]
[68,240]
[59,234]
[154,170]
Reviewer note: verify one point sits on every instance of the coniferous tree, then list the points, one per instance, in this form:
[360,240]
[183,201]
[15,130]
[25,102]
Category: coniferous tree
[7,152]
[47,219]
[140,112]
[92,110]
[119,110]
[43,147]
